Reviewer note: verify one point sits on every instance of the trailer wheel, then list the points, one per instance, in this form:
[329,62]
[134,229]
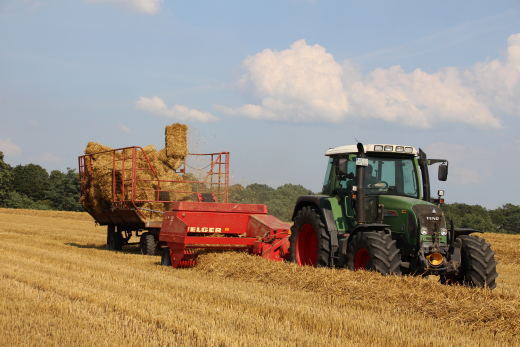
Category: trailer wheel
[111,228]
[310,240]
[115,241]
[374,251]
[166,259]
[478,267]
[147,244]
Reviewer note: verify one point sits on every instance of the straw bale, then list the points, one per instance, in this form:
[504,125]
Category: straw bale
[176,140]
[94,147]
[147,178]
[155,206]
[151,152]
[172,162]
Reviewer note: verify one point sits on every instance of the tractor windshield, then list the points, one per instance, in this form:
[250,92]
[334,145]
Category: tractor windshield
[393,176]
[384,175]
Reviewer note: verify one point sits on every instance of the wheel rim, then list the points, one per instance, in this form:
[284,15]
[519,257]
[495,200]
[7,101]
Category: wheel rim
[362,258]
[307,246]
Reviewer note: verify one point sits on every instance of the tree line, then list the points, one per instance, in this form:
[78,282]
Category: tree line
[32,187]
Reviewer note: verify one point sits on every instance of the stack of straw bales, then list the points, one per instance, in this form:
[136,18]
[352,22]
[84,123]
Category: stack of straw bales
[149,185]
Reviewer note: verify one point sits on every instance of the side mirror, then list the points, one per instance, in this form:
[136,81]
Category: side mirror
[443,172]
[343,166]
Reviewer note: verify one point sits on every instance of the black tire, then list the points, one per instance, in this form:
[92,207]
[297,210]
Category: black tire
[478,267]
[374,251]
[111,228]
[147,244]
[166,259]
[115,241]
[310,240]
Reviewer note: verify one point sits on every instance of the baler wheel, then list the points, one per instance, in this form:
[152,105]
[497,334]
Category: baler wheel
[374,250]
[147,244]
[478,266]
[310,240]
[166,260]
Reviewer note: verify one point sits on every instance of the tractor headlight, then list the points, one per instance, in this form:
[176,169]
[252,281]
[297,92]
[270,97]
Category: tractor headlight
[378,148]
[424,230]
[389,148]
[444,231]
[399,149]
[408,150]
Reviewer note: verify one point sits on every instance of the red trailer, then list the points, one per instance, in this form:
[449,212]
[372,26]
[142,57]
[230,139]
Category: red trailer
[206,220]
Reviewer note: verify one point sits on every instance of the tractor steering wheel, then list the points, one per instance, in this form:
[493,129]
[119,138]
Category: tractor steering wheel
[378,185]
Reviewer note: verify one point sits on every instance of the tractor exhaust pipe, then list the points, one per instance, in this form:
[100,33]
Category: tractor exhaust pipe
[360,184]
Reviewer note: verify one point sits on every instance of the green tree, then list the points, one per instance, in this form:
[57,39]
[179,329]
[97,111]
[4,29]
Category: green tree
[280,202]
[6,176]
[30,180]
[469,216]
[63,192]
[507,218]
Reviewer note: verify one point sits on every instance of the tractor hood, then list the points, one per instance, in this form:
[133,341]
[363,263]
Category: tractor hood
[409,216]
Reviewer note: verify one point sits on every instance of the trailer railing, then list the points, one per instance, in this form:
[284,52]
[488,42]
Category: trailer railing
[126,178]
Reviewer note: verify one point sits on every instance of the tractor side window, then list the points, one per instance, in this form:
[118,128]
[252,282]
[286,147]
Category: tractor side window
[345,182]
[328,177]
[409,178]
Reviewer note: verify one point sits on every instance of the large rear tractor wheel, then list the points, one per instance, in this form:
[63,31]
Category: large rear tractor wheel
[478,267]
[374,251]
[115,240]
[310,240]
[147,244]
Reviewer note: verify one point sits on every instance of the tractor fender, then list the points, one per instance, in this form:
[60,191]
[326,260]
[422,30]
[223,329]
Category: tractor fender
[464,231]
[322,204]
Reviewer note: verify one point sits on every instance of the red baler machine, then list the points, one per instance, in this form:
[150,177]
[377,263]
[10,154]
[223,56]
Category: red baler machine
[206,221]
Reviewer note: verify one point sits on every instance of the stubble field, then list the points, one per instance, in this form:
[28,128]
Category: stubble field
[60,285]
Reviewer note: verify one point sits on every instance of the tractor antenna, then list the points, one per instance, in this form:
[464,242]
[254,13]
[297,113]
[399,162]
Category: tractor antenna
[356,140]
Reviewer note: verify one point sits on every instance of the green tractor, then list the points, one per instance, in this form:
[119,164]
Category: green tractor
[374,214]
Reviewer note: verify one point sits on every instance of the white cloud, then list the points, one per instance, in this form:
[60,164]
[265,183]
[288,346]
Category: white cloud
[124,128]
[143,6]
[9,149]
[497,82]
[305,83]
[465,161]
[46,158]
[302,83]
[156,106]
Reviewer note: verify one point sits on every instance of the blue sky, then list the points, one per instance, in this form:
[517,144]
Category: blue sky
[276,83]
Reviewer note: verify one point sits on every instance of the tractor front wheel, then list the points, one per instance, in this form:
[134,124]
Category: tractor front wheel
[374,251]
[478,267]
[310,240]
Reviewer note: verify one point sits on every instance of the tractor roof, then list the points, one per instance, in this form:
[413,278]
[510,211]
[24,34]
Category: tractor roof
[375,148]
